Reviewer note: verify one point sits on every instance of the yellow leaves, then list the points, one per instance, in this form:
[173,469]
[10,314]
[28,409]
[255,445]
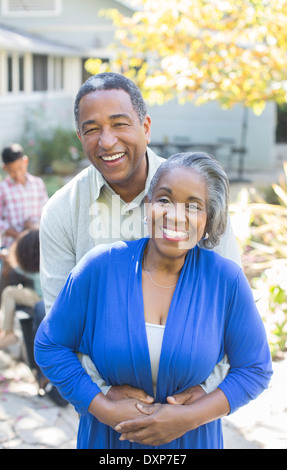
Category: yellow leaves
[258,107]
[155,82]
[224,50]
[94,66]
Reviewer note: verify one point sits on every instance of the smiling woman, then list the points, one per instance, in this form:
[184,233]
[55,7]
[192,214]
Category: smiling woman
[152,314]
[181,205]
[211,194]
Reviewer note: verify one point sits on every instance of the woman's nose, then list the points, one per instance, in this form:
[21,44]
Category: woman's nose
[177,214]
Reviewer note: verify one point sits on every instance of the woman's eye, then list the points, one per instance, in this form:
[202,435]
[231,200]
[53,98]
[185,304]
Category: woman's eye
[192,207]
[163,201]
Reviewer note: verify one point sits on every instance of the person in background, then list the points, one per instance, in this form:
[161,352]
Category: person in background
[159,313]
[22,195]
[22,198]
[24,257]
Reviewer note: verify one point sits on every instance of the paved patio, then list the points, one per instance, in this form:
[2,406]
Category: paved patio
[28,421]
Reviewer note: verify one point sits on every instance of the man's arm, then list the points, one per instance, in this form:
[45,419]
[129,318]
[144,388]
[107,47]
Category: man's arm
[228,247]
[57,256]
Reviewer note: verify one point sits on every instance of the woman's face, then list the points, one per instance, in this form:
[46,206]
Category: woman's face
[177,214]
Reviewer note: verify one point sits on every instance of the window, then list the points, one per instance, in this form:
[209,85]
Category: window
[31,7]
[21,73]
[15,73]
[40,72]
[58,73]
[10,73]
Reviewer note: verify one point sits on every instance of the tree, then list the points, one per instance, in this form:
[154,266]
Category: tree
[226,50]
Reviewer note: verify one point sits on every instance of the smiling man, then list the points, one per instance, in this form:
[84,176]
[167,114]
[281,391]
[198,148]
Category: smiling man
[114,139]
[94,207]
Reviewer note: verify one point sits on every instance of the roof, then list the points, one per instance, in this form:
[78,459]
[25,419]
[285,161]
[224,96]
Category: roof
[16,40]
[132,5]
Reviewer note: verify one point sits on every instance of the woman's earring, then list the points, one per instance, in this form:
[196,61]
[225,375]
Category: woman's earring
[206,236]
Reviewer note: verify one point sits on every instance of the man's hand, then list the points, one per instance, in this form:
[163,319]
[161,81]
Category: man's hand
[122,392]
[112,412]
[159,424]
[187,397]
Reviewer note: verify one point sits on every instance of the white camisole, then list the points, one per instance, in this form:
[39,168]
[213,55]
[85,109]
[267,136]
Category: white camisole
[154,338]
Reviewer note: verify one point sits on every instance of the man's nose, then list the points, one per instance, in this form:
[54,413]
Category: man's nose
[18,176]
[107,139]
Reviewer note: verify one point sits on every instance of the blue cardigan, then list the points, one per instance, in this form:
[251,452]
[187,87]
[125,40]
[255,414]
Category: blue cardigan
[99,312]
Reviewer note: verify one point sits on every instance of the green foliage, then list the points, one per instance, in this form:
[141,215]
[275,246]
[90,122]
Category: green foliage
[262,234]
[53,183]
[270,289]
[50,149]
[56,152]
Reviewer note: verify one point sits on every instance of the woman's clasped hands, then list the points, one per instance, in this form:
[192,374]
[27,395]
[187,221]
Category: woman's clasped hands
[159,423]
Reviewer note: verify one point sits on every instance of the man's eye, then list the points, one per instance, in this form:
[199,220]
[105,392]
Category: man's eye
[89,131]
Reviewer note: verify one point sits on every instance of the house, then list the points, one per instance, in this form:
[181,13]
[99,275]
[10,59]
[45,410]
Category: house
[43,47]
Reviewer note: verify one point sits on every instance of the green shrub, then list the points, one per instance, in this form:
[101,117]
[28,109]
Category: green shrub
[58,151]
[261,228]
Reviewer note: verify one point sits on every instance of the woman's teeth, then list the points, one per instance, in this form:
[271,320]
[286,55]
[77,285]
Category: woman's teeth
[174,234]
[112,157]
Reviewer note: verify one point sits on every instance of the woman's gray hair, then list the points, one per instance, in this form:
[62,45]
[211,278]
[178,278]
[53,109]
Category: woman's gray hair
[217,185]
[111,81]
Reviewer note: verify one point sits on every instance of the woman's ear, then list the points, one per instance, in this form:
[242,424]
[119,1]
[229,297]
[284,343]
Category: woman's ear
[148,210]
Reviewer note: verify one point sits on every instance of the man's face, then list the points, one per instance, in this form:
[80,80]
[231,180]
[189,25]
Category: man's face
[112,136]
[17,169]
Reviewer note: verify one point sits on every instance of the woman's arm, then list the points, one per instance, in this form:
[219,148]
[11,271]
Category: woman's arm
[250,372]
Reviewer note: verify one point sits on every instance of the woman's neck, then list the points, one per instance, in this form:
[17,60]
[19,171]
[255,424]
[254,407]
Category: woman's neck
[155,261]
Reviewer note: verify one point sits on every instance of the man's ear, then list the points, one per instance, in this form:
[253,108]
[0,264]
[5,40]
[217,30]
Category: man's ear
[79,136]
[147,128]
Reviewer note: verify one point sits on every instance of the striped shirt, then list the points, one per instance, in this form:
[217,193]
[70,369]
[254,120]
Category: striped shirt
[20,204]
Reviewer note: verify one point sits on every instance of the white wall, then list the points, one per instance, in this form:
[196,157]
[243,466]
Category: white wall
[49,109]
[210,124]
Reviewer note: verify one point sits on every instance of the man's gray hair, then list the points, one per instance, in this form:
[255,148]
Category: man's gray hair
[111,81]
[217,186]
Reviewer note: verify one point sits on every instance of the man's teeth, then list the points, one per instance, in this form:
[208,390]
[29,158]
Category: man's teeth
[112,157]
[174,234]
